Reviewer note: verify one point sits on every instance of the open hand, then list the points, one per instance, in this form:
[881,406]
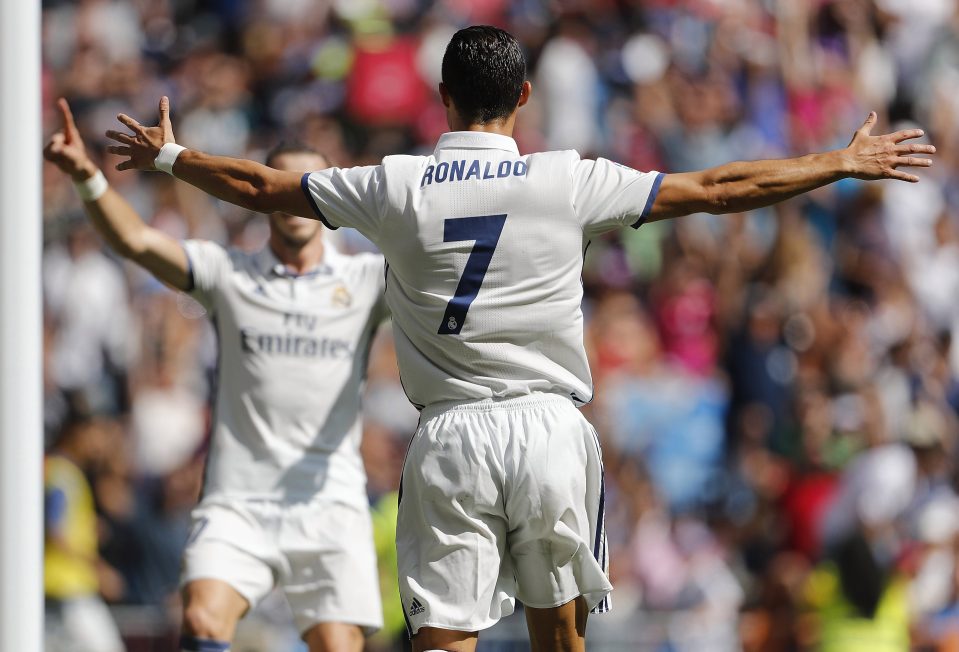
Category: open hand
[878,157]
[142,146]
[66,149]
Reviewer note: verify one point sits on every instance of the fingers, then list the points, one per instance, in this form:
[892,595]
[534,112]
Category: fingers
[903,176]
[70,126]
[907,161]
[906,134]
[128,142]
[57,141]
[134,126]
[915,148]
[165,111]
[870,122]
[54,148]
[912,161]
[121,137]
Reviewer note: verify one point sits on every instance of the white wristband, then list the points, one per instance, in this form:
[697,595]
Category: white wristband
[93,188]
[167,157]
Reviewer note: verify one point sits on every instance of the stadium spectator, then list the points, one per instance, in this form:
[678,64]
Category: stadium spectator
[74,575]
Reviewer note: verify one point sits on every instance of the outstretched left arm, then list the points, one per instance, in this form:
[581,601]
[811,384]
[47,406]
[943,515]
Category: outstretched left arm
[743,186]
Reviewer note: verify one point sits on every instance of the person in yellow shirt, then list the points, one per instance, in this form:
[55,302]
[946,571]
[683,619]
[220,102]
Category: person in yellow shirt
[76,617]
[857,595]
[858,606]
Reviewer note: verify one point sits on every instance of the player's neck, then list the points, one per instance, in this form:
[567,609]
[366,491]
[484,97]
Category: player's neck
[501,127]
[298,258]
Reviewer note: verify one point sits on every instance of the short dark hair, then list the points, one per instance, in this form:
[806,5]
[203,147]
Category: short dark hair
[291,147]
[483,70]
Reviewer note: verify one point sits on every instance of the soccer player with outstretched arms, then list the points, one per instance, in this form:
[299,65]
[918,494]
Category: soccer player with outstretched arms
[284,499]
[502,489]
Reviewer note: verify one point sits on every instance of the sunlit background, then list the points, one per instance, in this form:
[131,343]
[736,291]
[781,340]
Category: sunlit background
[776,391]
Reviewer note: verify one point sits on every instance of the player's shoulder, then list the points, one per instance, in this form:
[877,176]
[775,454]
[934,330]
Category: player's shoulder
[398,163]
[564,155]
[554,169]
[566,159]
[241,258]
[363,263]
[203,247]
[584,167]
[212,263]
[404,159]
[211,249]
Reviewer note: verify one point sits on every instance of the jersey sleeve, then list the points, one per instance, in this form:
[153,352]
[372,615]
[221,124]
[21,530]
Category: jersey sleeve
[607,194]
[209,265]
[350,197]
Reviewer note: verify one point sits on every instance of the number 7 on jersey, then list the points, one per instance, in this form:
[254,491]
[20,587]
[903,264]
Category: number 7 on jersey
[485,230]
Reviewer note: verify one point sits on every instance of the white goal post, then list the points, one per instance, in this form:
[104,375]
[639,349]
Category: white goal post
[21,431]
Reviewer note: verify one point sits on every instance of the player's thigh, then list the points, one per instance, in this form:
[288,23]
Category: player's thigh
[560,629]
[555,506]
[212,608]
[451,530]
[329,575]
[432,638]
[334,637]
[228,567]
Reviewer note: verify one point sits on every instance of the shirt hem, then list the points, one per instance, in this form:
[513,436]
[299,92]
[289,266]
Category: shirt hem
[653,192]
[305,186]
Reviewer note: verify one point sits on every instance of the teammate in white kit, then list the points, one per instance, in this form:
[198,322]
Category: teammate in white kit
[502,492]
[284,499]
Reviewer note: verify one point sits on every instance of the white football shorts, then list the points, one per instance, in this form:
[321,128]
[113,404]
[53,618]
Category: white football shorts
[320,554]
[81,624]
[500,500]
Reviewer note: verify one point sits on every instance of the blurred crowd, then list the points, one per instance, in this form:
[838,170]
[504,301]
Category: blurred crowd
[777,392]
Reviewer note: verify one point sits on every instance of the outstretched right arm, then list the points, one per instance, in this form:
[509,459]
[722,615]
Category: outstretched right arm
[248,184]
[113,217]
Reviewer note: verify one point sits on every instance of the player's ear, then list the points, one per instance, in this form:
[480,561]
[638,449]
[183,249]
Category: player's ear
[524,93]
[444,95]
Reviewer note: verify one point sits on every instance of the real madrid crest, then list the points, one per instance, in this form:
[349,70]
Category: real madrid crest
[342,297]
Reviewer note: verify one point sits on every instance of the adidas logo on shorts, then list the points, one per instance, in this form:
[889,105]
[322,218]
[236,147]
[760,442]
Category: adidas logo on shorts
[416,607]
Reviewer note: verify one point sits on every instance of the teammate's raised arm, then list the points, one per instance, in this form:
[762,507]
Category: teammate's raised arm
[743,186]
[112,216]
[249,184]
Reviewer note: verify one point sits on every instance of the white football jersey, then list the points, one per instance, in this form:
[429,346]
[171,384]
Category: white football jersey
[484,252]
[292,359]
